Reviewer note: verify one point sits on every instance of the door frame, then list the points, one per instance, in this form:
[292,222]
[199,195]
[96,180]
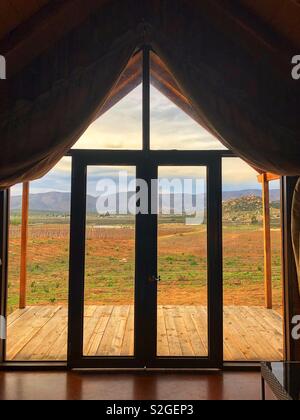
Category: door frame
[146,163]
[4,233]
[133,158]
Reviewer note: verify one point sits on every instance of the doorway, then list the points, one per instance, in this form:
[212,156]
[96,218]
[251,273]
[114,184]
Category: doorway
[141,333]
[146,275]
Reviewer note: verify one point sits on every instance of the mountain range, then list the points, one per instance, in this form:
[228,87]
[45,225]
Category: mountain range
[59,202]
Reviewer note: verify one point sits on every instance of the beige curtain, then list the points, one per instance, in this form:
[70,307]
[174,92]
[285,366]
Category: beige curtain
[241,92]
[240,87]
[52,102]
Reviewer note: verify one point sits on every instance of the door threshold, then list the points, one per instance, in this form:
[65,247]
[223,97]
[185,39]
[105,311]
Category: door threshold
[63,367]
[34,366]
[147,370]
[242,367]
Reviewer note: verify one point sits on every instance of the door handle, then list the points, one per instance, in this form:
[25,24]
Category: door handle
[154,279]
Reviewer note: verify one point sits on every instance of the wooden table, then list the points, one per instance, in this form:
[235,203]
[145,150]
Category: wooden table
[283,379]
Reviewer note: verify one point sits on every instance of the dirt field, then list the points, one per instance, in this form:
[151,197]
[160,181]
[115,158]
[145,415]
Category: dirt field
[110,265]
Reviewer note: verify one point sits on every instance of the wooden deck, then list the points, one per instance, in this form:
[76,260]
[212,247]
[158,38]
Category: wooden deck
[40,333]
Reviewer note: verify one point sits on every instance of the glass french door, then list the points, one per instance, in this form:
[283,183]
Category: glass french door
[146,260]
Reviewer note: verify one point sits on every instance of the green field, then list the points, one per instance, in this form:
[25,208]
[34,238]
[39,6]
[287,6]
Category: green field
[110,261]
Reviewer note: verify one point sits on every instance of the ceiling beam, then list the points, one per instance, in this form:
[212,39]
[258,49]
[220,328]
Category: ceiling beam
[268,177]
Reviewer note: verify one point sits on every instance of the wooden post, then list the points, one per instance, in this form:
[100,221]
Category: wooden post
[267,242]
[24,245]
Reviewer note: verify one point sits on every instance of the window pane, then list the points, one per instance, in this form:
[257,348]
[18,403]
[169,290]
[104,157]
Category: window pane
[38,332]
[182,262]
[119,124]
[252,332]
[118,128]
[110,263]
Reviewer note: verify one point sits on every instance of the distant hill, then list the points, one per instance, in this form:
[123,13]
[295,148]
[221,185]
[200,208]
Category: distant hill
[52,201]
[58,202]
[248,210]
[231,195]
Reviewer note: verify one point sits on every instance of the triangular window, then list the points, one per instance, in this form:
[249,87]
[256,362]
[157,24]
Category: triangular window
[173,121]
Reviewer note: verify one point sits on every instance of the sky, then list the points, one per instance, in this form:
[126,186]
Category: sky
[171,128]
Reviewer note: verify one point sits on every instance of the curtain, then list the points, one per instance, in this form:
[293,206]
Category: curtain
[48,106]
[246,98]
[296,227]
[241,88]
[235,72]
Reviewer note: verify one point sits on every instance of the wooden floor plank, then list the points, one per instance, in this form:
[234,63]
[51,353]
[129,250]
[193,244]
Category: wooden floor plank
[184,337]
[40,333]
[128,342]
[163,348]
[21,333]
[266,333]
[94,329]
[242,336]
[110,332]
[200,320]
[199,347]
[119,335]
[231,351]
[238,348]
[59,350]
[44,340]
[16,315]
[173,339]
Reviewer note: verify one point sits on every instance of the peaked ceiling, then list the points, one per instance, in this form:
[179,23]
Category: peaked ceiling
[29,27]
[15,12]
[281,15]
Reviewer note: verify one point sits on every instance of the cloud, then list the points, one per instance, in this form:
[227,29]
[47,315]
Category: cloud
[119,128]
[171,128]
